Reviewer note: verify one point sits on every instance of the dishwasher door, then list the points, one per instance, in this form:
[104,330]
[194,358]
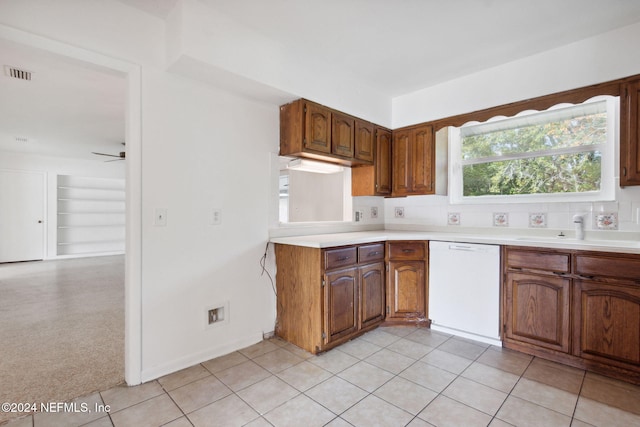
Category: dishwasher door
[464,290]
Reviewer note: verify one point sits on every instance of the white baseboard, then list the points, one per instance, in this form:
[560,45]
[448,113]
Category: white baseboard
[156,372]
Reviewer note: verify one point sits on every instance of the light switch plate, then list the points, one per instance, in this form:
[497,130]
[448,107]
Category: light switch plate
[216,216]
[160,217]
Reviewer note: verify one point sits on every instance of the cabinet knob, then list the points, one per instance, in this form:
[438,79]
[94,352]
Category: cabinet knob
[624,171]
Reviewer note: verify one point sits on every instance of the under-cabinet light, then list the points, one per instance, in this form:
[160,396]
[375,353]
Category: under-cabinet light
[311,166]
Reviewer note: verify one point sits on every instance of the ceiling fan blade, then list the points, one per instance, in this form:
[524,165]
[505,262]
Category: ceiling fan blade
[103,154]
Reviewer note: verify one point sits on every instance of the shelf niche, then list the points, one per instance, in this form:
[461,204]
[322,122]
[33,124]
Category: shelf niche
[91,215]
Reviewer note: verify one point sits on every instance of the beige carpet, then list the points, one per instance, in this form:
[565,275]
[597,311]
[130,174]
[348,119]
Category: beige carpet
[61,329]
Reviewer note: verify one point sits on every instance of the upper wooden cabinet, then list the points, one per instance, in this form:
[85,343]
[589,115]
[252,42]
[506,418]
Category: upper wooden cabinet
[343,134]
[317,132]
[317,128]
[413,156]
[374,180]
[630,134]
[364,141]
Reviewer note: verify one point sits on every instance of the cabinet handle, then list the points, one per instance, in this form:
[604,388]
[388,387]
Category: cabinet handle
[624,171]
[408,251]
[559,273]
[374,253]
[343,258]
[584,276]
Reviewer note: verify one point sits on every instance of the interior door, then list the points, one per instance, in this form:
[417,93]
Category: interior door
[21,216]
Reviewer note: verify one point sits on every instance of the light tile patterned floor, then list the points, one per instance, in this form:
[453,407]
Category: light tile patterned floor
[392,376]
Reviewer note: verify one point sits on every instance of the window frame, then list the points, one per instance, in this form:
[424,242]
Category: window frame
[608,171]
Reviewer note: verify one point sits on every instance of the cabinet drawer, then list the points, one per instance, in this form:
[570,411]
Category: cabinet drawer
[538,260]
[341,257]
[616,266]
[407,250]
[369,253]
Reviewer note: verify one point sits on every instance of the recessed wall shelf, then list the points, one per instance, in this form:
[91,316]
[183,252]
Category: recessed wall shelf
[91,215]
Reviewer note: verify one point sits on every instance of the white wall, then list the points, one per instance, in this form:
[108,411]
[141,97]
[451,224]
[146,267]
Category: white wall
[594,60]
[51,167]
[201,148]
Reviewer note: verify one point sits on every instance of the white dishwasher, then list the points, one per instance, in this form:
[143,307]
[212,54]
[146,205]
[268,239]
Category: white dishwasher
[464,290]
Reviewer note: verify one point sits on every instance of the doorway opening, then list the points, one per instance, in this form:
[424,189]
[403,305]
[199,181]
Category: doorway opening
[124,267]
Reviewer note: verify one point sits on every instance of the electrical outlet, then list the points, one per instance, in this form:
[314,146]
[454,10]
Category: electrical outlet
[216,314]
[399,212]
[374,212]
[359,215]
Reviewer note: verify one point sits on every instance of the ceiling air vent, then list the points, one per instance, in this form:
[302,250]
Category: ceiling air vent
[17,73]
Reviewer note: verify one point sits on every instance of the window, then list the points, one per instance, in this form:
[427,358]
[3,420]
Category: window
[564,153]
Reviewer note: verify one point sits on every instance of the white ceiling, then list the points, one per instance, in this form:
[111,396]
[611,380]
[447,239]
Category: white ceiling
[66,110]
[399,46]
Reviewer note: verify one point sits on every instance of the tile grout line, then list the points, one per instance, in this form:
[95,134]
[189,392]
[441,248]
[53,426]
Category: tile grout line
[440,393]
[575,408]
[511,391]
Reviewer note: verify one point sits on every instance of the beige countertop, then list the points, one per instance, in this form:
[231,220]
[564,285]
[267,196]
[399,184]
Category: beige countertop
[359,237]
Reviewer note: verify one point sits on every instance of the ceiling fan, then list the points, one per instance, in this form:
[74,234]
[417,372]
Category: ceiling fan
[119,156]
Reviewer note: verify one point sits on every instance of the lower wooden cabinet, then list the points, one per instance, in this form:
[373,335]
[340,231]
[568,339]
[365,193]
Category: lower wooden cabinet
[372,300]
[407,282]
[607,323]
[341,303]
[581,308]
[328,296]
[537,310]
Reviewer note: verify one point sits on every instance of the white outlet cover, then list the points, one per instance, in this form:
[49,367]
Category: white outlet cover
[224,305]
[399,212]
[374,212]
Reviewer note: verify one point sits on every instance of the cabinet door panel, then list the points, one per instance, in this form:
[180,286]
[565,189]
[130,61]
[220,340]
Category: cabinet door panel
[401,166]
[407,284]
[537,310]
[341,303]
[422,152]
[343,135]
[364,144]
[607,322]
[630,134]
[317,128]
[372,294]
[383,162]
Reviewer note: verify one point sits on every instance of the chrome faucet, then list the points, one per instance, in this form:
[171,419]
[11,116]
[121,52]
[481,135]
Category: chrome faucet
[578,222]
